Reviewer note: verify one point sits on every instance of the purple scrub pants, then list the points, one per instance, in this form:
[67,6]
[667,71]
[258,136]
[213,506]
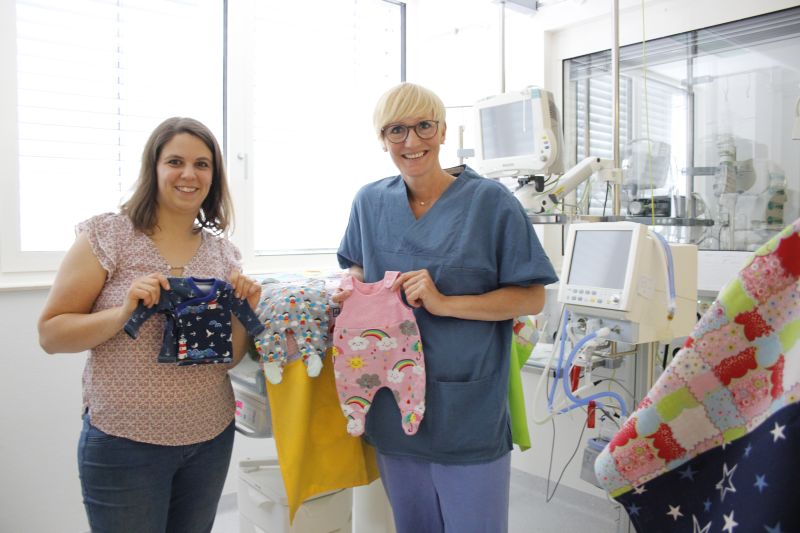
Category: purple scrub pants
[435,498]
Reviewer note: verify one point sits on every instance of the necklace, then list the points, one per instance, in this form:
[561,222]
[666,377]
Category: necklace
[421,203]
[427,202]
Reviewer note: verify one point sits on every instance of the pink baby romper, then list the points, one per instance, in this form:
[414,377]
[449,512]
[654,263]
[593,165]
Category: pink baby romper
[376,344]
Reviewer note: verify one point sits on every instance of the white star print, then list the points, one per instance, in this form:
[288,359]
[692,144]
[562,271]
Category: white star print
[726,475]
[777,433]
[639,490]
[729,523]
[675,512]
[697,528]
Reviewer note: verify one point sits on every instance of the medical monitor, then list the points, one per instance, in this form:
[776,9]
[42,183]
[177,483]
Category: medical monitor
[518,134]
[617,271]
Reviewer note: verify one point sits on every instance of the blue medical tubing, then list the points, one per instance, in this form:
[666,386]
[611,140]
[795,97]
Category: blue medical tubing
[579,402]
[557,371]
[670,274]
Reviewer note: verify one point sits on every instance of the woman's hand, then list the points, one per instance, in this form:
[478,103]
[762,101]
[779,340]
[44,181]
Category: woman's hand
[147,289]
[421,291]
[340,295]
[246,288]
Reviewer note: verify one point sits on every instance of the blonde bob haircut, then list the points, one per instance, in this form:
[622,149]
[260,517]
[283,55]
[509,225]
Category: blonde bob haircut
[407,100]
[216,212]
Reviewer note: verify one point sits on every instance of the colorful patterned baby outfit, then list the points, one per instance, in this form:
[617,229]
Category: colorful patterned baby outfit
[376,344]
[299,309]
[197,329]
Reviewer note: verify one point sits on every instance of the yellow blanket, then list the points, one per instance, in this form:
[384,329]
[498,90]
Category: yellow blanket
[315,452]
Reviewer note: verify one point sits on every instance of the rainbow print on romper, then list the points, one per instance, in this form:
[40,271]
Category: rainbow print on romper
[417,346]
[375,333]
[360,401]
[403,363]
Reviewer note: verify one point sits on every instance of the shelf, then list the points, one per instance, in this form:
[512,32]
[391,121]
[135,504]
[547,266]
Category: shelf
[663,221]
[560,218]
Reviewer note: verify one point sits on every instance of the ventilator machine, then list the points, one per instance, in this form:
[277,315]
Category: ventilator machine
[620,275]
[618,286]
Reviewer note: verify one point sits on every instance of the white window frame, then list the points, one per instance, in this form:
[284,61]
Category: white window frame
[18,268]
[240,146]
[12,259]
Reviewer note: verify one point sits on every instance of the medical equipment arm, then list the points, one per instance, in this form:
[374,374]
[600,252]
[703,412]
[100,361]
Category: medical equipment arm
[571,179]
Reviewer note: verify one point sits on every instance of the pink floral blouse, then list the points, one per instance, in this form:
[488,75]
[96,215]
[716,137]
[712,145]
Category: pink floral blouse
[128,393]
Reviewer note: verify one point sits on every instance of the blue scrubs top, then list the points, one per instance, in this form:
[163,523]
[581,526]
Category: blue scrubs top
[476,238]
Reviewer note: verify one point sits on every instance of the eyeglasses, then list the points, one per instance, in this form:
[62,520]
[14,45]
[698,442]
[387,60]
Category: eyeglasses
[398,133]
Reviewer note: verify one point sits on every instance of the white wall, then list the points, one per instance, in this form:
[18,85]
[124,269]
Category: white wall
[40,401]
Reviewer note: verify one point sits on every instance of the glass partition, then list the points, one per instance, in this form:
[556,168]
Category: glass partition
[705,130]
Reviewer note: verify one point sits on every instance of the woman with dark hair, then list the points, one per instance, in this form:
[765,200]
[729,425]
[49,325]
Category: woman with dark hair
[157,438]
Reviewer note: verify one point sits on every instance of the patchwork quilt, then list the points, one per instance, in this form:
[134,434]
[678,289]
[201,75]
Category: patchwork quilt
[715,444]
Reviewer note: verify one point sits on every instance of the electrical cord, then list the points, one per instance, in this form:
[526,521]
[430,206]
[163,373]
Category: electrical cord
[584,203]
[611,416]
[548,495]
[618,382]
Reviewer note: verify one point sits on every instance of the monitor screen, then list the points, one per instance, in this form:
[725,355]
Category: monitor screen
[600,258]
[507,130]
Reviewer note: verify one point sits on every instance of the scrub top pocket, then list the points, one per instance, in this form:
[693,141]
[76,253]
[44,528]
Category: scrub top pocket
[451,407]
[455,281]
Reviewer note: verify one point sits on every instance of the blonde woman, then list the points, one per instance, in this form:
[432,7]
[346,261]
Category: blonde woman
[470,263]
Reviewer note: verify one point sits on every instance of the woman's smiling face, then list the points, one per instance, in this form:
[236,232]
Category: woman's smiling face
[416,157]
[185,171]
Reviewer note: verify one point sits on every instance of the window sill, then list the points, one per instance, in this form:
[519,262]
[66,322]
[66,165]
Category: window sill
[26,282]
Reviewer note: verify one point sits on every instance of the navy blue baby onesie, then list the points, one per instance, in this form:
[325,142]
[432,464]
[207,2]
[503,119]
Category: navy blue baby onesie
[197,329]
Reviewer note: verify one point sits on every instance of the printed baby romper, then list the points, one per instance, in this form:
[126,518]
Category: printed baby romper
[197,329]
[376,344]
[299,309]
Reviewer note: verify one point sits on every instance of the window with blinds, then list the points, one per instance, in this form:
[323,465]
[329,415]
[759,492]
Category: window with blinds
[646,114]
[94,77]
[718,101]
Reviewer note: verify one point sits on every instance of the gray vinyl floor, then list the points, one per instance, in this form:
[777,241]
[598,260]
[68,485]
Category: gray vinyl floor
[570,511]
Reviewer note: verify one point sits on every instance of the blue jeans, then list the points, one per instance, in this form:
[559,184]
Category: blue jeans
[148,488]
[434,498]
